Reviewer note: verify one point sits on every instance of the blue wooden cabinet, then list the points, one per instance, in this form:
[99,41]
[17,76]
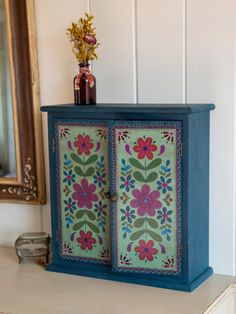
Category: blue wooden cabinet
[130,192]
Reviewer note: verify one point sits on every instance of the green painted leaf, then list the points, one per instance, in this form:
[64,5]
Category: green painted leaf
[80,213]
[134,162]
[151,177]
[90,215]
[153,164]
[91,160]
[78,225]
[79,171]
[139,177]
[152,222]
[154,235]
[89,172]
[168,225]
[92,227]
[168,175]
[136,235]
[76,158]
[139,222]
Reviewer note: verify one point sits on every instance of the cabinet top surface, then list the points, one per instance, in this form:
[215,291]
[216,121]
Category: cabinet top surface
[132,108]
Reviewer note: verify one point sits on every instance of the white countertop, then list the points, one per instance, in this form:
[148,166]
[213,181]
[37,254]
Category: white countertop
[28,289]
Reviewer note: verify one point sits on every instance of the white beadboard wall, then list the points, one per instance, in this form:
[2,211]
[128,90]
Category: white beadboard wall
[151,51]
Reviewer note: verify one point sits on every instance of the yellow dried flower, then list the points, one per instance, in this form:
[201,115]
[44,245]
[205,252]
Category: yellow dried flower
[83,39]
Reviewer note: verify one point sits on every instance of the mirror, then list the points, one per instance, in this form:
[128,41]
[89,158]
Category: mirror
[21,153]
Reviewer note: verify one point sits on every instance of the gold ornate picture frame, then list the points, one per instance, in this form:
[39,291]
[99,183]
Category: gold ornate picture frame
[29,184]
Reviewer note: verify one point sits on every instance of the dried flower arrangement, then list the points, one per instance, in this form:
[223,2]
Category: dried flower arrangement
[83,39]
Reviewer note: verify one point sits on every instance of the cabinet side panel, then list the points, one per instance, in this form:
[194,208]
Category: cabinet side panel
[198,202]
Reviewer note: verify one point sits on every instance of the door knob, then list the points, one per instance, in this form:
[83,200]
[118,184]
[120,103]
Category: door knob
[113,198]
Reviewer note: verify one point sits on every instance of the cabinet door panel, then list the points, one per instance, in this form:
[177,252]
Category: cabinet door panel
[82,183]
[146,219]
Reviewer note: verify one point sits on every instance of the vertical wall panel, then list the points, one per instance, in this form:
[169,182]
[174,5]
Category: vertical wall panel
[115,67]
[16,219]
[160,43]
[57,63]
[211,78]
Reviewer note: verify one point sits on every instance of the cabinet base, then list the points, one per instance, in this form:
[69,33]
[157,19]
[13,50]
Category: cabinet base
[109,275]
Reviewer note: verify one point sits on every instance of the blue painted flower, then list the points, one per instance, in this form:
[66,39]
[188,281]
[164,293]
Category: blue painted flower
[125,167]
[163,184]
[166,232]
[69,221]
[67,162]
[70,205]
[100,163]
[127,183]
[165,168]
[69,176]
[99,178]
[164,215]
[128,214]
[126,230]
[100,209]
[102,225]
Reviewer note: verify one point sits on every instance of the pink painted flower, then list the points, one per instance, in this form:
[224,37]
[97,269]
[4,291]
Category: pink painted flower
[146,202]
[84,194]
[146,250]
[84,145]
[86,241]
[145,148]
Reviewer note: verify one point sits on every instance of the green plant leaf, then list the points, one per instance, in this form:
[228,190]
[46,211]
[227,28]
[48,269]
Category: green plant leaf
[79,171]
[151,177]
[76,158]
[90,215]
[139,177]
[89,172]
[134,162]
[139,222]
[154,235]
[78,225]
[136,235]
[91,160]
[92,227]
[155,163]
[80,213]
[152,222]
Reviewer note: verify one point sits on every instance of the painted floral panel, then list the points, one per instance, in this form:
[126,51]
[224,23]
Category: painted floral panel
[82,153]
[146,167]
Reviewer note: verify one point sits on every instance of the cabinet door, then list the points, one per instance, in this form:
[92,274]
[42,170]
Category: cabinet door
[146,177]
[82,182]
